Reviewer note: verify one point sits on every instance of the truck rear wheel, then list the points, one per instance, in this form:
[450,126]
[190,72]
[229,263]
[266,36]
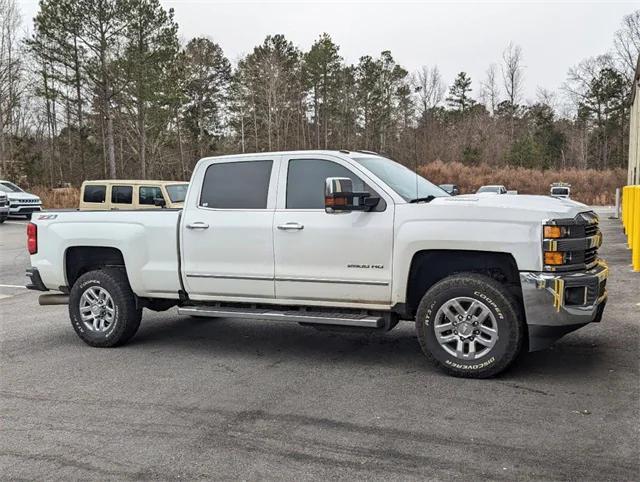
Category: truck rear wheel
[468,325]
[103,309]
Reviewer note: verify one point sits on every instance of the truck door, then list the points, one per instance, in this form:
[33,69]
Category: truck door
[227,230]
[330,257]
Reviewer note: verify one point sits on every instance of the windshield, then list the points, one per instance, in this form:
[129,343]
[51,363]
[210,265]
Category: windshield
[405,182]
[7,186]
[489,189]
[560,190]
[177,192]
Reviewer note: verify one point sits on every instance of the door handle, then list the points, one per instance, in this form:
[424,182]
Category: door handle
[291,226]
[198,225]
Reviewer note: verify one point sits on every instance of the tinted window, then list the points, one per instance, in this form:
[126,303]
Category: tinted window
[236,185]
[177,192]
[306,182]
[121,194]
[94,194]
[148,194]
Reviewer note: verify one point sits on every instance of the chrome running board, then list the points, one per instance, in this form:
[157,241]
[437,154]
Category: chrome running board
[296,315]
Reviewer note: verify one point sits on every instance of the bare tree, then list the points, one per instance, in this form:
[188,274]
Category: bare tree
[546,97]
[429,87]
[10,71]
[490,90]
[513,73]
[627,43]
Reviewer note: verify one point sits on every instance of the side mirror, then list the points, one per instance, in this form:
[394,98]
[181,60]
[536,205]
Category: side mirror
[159,202]
[340,197]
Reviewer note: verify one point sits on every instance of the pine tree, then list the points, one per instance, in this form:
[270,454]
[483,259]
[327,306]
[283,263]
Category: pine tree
[459,94]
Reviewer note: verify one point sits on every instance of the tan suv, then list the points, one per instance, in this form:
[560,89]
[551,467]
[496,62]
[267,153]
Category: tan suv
[119,194]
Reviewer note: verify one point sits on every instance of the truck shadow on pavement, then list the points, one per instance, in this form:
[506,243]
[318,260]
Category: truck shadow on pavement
[573,356]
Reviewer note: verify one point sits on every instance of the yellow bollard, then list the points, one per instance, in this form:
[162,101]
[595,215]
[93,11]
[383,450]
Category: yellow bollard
[625,209]
[631,214]
[635,251]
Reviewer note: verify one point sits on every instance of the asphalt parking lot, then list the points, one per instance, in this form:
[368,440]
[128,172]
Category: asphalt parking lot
[222,399]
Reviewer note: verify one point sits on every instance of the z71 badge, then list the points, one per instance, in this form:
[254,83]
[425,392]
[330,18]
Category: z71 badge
[366,266]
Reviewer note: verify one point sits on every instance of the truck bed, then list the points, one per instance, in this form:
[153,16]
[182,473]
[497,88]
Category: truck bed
[147,240]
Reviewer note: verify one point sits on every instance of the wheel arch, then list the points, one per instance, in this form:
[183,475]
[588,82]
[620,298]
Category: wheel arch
[430,266]
[79,260]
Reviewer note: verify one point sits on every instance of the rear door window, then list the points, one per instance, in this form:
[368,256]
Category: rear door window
[236,185]
[94,193]
[121,194]
[148,195]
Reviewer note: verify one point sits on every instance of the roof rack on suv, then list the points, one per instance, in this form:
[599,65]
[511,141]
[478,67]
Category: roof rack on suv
[367,152]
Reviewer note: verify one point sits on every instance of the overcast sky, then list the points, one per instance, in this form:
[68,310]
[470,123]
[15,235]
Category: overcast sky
[454,35]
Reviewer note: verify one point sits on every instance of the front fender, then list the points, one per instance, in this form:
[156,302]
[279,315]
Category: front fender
[520,240]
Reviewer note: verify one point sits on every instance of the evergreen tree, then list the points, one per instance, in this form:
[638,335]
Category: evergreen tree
[321,70]
[207,76]
[459,98]
[151,48]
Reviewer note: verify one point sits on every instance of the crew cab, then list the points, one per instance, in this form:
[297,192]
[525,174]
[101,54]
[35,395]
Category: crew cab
[333,239]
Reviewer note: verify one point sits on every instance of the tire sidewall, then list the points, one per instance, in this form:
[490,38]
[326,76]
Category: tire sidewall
[500,354]
[117,327]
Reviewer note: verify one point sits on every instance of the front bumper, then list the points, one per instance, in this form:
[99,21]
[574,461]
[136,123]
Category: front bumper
[558,303]
[21,209]
[4,210]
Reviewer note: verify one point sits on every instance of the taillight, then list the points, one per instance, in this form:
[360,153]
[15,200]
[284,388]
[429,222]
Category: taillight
[32,238]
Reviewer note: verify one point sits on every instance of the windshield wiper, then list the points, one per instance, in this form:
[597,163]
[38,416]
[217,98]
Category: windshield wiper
[427,199]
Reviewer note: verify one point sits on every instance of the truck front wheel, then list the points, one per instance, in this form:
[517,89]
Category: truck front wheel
[103,309]
[468,325]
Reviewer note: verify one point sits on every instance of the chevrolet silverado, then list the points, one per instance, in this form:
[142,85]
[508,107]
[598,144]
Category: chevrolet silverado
[347,240]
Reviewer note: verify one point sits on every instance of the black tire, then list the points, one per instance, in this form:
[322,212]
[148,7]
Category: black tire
[500,302]
[2,219]
[127,317]
[28,216]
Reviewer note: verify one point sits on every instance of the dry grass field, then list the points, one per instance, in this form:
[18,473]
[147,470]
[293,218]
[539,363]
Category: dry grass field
[68,197]
[587,185]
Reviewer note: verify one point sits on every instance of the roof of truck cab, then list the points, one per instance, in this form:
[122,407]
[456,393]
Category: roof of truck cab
[342,152]
[132,181]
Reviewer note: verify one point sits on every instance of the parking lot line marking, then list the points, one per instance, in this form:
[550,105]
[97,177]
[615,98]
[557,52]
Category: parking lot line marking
[13,286]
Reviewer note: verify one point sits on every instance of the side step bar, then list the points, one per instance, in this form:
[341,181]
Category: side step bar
[298,316]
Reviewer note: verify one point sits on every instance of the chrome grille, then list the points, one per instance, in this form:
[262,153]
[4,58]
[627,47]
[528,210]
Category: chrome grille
[591,229]
[590,255]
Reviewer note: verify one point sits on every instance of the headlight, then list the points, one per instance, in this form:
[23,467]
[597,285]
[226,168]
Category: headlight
[571,243]
[554,232]
[556,258]
[553,255]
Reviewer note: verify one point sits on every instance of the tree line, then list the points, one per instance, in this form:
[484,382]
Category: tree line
[105,88]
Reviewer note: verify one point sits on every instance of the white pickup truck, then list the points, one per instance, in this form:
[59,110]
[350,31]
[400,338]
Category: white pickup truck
[333,239]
